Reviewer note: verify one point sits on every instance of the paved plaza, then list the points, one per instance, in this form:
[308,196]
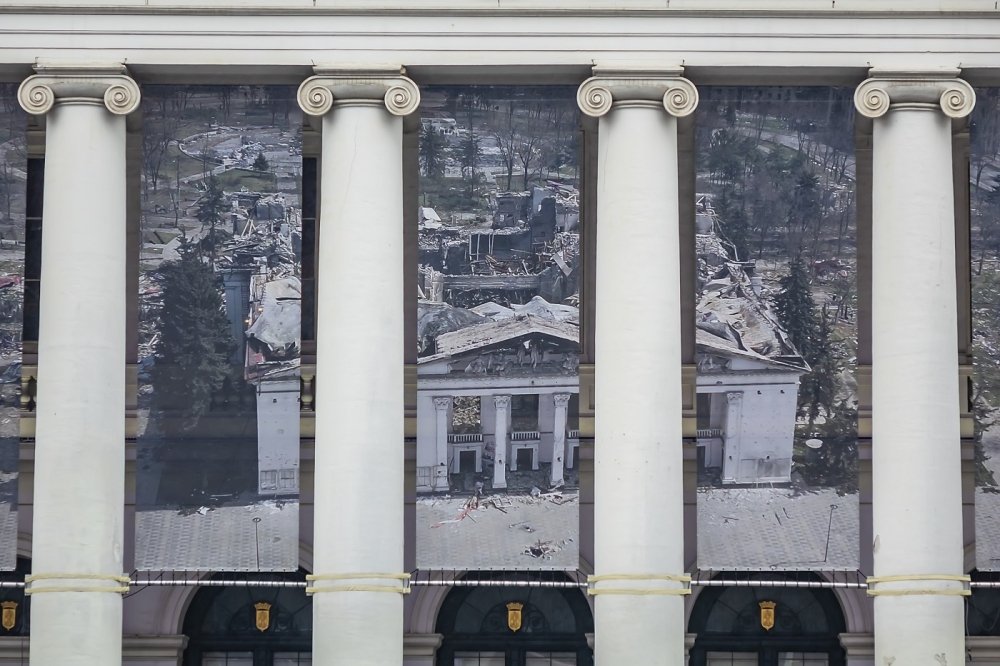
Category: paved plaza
[777,528]
[988,507]
[223,538]
[8,536]
[524,533]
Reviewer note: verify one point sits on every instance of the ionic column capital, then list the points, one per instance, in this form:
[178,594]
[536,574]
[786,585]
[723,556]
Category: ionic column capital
[936,89]
[359,85]
[442,403]
[612,86]
[561,399]
[501,401]
[76,83]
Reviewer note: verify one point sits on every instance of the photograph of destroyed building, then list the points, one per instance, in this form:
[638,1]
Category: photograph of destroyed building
[220,329]
[776,329]
[13,173]
[498,329]
[984,242]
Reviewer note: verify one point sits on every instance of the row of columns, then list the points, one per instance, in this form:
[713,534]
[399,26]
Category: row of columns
[501,428]
[638,523]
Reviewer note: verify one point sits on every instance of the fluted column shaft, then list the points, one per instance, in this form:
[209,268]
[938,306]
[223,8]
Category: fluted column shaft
[916,459]
[358,542]
[441,469]
[638,502]
[501,424]
[79,473]
[558,471]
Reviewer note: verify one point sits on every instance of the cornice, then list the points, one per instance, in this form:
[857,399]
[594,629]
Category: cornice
[527,8]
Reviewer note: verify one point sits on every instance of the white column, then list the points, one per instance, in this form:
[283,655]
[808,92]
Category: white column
[441,471]
[556,477]
[638,467]
[732,435]
[79,476]
[502,425]
[916,462]
[359,363]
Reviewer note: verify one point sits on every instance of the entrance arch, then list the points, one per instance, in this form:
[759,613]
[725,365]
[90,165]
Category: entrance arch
[250,626]
[476,626]
[730,626]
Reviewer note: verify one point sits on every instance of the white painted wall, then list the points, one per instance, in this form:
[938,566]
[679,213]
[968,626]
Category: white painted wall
[762,452]
[278,432]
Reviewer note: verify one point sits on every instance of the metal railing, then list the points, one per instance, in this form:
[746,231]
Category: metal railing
[465,438]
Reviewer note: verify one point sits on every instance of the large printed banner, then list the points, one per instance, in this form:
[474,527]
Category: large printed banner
[13,193]
[217,481]
[498,329]
[984,195]
[776,329]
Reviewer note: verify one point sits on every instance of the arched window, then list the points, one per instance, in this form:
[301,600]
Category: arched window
[514,626]
[767,626]
[250,626]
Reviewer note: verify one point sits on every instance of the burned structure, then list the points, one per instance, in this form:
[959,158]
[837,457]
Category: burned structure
[498,333]
[748,369]
[518,366]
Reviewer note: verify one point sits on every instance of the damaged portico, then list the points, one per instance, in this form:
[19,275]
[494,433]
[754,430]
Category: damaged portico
[526,355]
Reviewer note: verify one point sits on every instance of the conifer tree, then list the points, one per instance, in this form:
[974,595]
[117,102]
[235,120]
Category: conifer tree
[795,307]
[211,206]
[260,164]
[195,344]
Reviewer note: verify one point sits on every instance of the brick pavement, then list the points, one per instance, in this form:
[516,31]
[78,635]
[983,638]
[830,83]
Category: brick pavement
[988,507]
[223,539]
[489,538]
[8,536]
[765,528]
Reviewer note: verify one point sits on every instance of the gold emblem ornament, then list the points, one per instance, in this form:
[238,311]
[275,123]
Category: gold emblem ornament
[514,615]
[9,616]
[767,615]
[263,615]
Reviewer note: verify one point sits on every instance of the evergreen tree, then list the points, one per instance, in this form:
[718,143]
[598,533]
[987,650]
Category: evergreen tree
[431,152]
[195,344]
[260,164]
[795,307]
[211,207]
[818,389]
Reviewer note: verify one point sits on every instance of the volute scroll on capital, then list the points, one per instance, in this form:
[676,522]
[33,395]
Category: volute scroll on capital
[599,93]
[54,84]
[399,93]
[954,96]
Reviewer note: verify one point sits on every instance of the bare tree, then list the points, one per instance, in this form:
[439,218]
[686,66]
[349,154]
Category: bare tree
[525,150]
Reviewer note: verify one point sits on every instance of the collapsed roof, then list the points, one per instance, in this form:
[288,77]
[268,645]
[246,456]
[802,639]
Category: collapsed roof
[503,333]
[732,316]
[278,325]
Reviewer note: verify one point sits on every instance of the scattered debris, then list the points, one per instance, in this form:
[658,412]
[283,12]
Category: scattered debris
[541,549]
